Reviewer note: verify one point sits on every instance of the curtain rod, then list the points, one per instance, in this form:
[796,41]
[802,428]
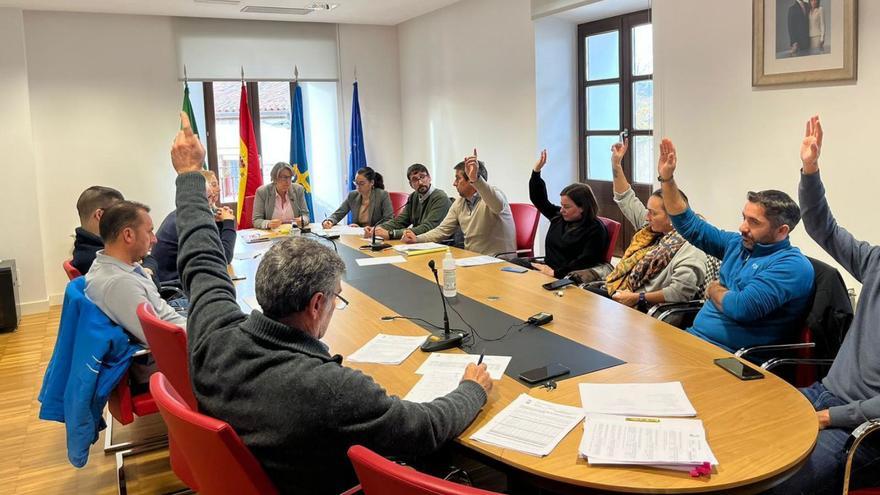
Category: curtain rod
[238,79]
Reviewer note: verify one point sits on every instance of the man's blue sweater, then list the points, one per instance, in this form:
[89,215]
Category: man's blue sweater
[769,287]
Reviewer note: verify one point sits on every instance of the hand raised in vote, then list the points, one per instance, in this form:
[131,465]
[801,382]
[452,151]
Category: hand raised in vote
[472,167]
[618,150]
[478,374]
[187,152]
[542,160]
[811,147]
[668,159]
[409,237]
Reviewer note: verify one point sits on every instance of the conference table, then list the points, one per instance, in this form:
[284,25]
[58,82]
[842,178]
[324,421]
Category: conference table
[760,430]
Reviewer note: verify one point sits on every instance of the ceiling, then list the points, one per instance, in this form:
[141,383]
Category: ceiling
[382,12]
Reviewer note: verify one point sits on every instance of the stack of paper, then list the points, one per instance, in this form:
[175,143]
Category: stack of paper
[380,260]
[387,349]
[530,425]
[678,444]
[420,248]
[636,399]
[433,385]
[477,261]
[253,235]
[438,362]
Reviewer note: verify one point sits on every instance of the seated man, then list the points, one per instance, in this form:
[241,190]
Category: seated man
[165,250]
[424,210]
[90,206]
[482,213]
[765,282]
[296,407]
[850,394]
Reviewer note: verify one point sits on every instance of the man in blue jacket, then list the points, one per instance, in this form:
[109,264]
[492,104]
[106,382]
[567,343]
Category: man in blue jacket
[765,283]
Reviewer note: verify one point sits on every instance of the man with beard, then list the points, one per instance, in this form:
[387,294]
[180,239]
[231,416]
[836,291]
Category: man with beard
[765,283]
[425,208]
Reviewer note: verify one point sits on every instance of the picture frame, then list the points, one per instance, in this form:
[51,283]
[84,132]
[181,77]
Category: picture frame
[813,41]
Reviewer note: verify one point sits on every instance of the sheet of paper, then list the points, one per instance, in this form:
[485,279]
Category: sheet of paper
[403,248]
[636,399]
[342,230]
[477,261]
[252,302]
[645,441]
[530,425]
[434,385]
[387,349]
[251,253]
[438,362]
[382,260]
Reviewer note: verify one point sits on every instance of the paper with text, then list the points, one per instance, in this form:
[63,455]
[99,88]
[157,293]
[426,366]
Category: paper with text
[530,425]
[382,260]
[387,349]
[636,399]
[495,365]
[477,261]
[434,385]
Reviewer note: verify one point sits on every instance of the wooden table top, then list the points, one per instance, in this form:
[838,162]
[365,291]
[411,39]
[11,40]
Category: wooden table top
[759,430]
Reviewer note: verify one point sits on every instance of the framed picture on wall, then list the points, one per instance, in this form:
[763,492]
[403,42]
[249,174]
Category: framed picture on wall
[802,41]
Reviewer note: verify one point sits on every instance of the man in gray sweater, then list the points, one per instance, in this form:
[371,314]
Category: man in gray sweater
[850,394]
[268,375]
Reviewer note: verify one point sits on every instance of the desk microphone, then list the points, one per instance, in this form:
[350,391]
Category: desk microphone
[447,339]
[376,245]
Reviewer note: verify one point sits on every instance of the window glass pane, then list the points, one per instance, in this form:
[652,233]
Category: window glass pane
[643,50]
[227,97]
[323,146]
[274,125]
[602,56]
[599,157]
[603,107]
[643,105]
[197,98]
[643,160]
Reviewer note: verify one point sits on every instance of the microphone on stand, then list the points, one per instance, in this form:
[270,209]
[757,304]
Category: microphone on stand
[448,339]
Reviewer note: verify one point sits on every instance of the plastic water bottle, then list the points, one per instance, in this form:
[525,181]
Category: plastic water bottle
[449,289]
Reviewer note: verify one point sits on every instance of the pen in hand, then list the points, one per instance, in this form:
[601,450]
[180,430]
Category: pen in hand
[482,355]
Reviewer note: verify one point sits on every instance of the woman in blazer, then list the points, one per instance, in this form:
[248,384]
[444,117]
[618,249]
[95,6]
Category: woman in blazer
[280,201]
[369,203]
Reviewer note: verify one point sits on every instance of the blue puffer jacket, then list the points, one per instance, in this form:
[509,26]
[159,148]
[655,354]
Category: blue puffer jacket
[769,287]
[91,354]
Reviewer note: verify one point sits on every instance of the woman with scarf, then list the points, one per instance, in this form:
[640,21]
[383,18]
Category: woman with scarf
[659,265]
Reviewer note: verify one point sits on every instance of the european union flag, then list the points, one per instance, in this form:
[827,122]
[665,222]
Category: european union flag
[358,157]
[298,159]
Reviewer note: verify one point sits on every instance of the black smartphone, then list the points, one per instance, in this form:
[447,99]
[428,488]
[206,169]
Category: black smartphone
[739,369]
[544,373]
[562,282]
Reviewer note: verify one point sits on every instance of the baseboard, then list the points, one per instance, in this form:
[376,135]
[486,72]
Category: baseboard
[34,307]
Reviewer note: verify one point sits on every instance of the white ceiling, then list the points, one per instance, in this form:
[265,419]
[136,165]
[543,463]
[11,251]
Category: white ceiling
[383,12]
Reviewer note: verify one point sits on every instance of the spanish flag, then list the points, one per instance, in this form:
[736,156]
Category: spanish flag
[250,175]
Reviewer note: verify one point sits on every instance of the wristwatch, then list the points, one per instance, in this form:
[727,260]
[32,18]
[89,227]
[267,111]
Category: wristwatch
[661,179]
[643,303]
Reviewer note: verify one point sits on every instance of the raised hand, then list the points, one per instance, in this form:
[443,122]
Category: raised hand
[668,160]
[542,160]
[618,150]
[472,167]
[187,152]
[811,147]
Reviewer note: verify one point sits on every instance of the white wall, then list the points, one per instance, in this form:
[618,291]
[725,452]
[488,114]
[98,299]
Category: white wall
[467,79]
[732,138]
[20,220]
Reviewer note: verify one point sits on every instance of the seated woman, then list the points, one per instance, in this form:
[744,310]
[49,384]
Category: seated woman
[576,239]
[280,201]
[659,265]
[369,203]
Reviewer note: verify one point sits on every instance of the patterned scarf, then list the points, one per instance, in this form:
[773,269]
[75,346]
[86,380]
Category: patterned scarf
[647,255]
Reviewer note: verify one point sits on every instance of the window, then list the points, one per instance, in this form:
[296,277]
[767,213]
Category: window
[615,74]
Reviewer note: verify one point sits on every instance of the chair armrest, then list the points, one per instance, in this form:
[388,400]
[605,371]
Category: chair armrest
[772,363]
[142,352]
[852,443]
[353,490]
[663,310]
[168,291]
[774,347]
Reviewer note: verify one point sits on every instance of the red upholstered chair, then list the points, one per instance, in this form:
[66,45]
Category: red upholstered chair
[219,460]
[379,476]
[398,199]
[525,217]
[247,214]
[69,269]
[613,228]
[168,345]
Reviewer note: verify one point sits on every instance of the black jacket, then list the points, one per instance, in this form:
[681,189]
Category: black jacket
[831,312]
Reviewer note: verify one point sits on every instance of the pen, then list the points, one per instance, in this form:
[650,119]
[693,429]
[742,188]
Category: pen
[482,355]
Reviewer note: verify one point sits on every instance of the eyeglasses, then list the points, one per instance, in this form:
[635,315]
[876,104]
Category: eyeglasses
[341,302]
[418,178]
[360,183]
[285,178]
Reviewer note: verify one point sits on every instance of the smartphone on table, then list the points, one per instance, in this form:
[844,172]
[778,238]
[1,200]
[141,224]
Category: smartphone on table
[544,373]
[739,369]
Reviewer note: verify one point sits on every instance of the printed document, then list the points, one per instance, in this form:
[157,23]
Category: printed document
[636,399]
[433,385]
[382,260]
[387,349]
[495,365]
[530,425]
[477,261]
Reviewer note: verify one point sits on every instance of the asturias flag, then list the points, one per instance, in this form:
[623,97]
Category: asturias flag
[250,175]
[298,158]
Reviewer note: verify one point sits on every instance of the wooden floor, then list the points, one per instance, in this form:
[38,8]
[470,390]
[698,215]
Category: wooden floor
[33,454]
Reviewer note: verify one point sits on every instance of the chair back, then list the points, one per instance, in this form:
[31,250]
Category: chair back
[525,218]
[613,228]
[379,476]
[220,461]
[167,342]
[398,199]
[70,270]
[247,214]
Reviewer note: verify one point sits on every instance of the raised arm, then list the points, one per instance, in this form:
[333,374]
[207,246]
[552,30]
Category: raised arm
[495,200]
[618,150]
[200,259]
[538,190]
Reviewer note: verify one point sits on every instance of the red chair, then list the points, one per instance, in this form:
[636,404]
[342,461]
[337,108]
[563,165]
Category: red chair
[70,270]
[379,476]
[613,228]
[220,461]
[168,345]
[398,199]
[247,214]
[525,217]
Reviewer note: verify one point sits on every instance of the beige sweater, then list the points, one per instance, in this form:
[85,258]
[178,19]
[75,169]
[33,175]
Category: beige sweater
[488,229]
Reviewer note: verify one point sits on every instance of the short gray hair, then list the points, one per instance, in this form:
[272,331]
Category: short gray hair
[278,168]
[293,271]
